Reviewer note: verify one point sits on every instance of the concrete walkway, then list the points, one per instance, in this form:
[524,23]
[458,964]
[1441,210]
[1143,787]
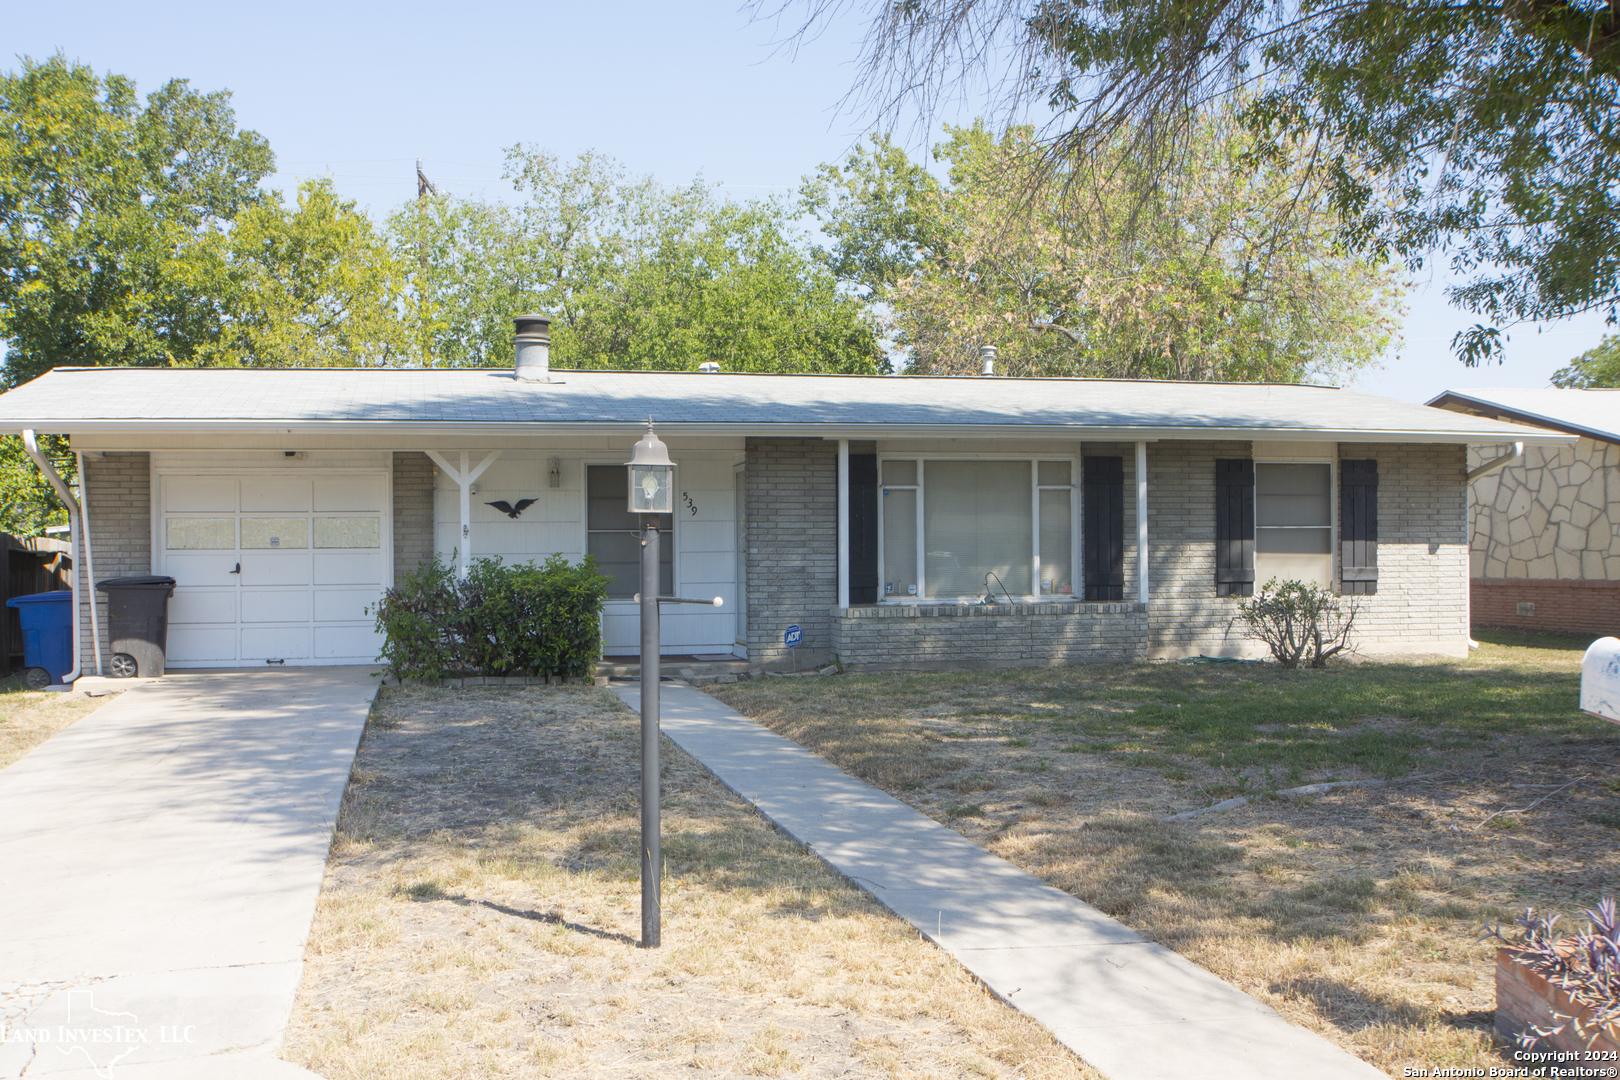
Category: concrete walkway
[1132,1009]
[159,867]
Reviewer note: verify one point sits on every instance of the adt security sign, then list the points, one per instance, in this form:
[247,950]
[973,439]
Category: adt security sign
[793,636]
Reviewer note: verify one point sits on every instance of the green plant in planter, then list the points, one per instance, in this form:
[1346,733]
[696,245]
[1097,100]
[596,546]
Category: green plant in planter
[1299,621]
[502,620]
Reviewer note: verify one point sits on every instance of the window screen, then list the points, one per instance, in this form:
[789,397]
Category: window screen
[1293,518]
[612,534]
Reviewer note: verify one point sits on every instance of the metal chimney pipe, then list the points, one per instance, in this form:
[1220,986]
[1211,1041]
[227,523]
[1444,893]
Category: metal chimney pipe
[987,353]
[532,348]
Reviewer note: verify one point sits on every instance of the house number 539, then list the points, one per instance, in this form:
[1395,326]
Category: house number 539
[686,497]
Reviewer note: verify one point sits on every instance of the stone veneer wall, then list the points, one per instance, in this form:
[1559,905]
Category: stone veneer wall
[792,532]
[1420,605]
[413,511]
[1554,516]
[1545,539]
[118,504]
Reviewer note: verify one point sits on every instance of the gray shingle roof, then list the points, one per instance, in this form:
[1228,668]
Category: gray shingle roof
[490,401]
[1585,412]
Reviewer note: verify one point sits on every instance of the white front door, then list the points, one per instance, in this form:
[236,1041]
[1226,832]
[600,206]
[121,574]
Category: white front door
[274,566]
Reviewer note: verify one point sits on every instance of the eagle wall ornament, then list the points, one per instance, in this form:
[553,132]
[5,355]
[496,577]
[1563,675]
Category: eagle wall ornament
[508,509]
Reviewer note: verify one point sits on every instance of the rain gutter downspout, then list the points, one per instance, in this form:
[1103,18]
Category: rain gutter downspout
[63,492]
[1468,583]
[89,558]
[1496,463]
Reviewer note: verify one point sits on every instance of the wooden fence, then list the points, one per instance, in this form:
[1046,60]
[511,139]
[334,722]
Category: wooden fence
[34,564]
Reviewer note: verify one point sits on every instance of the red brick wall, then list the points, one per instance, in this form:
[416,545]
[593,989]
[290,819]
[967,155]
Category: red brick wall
[1569,607]
[1524,999]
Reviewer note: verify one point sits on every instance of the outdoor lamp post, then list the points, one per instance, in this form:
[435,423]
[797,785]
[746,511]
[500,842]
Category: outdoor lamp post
[652,492]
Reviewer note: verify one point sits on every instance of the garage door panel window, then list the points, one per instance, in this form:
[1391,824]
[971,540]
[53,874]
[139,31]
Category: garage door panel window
[348,532]
[200,534]
[275,534]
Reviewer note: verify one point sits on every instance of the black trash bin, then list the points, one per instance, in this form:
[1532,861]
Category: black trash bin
[138,624]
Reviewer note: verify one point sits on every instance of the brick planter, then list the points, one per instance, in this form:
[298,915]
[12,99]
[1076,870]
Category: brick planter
[1524,999]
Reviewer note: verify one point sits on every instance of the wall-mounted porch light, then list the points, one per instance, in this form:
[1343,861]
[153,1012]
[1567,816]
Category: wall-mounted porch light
[554,477]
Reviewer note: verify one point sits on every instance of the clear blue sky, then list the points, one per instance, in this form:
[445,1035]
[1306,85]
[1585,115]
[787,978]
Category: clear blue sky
[361,91]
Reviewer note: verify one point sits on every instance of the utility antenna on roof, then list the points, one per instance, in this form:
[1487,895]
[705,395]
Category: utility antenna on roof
[424,186]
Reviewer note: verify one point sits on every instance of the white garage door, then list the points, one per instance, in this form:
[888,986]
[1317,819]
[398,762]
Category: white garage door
[273,567]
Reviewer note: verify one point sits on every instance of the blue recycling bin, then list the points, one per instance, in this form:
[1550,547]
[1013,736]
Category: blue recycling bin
[47,630]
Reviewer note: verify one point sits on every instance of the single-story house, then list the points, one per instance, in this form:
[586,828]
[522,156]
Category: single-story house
[1107,519]
[1545,528]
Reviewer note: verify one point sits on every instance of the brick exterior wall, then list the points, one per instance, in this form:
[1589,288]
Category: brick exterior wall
[118,501]
[1565,607]
[792,546]
[1420,605]
[1526,1000]
[413,511]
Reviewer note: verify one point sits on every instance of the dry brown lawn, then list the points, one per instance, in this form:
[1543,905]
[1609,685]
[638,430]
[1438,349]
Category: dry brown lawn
[28,718]
[480,911]
[1357,913]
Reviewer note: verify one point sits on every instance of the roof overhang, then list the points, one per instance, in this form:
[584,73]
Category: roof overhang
[400,433]
[1453,401]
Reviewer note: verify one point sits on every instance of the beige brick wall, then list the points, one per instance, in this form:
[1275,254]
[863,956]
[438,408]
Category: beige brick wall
[1422,599]
[118,504]
[1421,604]
[792,545]
[413,511]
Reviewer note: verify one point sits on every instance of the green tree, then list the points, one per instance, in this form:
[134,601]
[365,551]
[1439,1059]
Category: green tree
[1222,279]
[1484,132]
[313,285]
[634,275]
[1597,367]
[107,210]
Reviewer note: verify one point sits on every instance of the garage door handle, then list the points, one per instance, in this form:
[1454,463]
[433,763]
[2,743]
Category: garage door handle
[238,569]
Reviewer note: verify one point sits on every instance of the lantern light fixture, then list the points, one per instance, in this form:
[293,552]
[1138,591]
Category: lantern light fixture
[652,476]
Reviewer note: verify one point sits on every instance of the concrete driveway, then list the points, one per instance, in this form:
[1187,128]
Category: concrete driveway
[159,867]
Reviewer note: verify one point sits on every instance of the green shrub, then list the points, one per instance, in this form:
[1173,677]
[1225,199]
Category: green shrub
[502,620]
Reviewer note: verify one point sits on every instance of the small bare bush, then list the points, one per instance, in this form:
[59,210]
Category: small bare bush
[1299,620]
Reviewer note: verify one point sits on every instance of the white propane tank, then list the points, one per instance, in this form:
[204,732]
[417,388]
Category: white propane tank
[1600,679]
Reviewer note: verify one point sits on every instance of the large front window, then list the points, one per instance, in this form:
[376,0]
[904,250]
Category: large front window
[958,530]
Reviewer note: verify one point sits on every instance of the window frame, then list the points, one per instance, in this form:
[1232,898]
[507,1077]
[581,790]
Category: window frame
[585,530]
[1033,460]
[1333,513]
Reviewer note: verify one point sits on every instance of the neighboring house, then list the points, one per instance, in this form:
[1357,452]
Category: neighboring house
[873,512]
[1545,528]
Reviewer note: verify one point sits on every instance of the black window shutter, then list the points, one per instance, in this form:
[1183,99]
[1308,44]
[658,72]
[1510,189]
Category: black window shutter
[1103,528]
[1358,527]
[863,529]
[1234,527]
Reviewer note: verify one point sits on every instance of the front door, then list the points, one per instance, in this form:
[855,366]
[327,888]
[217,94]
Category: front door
[273,567]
